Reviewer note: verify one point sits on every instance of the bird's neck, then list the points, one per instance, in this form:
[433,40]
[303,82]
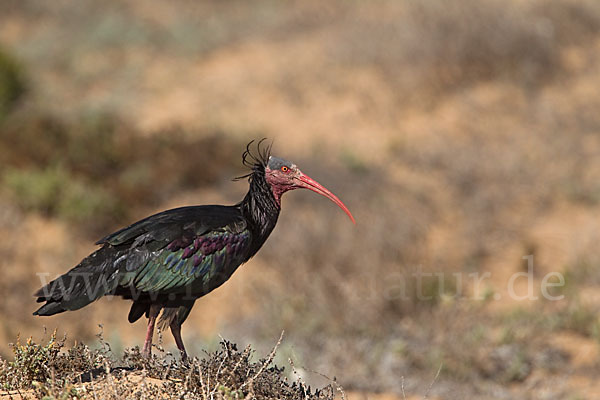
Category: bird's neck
[260,207]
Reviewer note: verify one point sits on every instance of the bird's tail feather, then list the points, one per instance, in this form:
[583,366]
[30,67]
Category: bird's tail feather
[93,278]
[138,309]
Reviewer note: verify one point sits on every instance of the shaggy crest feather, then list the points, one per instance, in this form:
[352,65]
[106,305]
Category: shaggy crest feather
[255,161]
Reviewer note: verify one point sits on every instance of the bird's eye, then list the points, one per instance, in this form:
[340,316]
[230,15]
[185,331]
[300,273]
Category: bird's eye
[284,169]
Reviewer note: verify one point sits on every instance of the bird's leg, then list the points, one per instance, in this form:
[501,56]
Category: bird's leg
[152,314]
[176,330]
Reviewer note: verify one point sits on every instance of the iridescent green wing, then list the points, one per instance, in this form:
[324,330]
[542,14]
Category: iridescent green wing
[198,261]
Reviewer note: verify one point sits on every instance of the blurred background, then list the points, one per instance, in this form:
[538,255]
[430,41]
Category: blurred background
[463,136]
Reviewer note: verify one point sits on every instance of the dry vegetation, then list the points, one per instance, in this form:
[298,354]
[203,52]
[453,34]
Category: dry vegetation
[46,371]
[463,137]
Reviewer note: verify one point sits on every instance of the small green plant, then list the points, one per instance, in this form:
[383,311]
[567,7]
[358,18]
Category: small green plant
[353,162]
[434,289]
[580,318]
[230,394]
[32,363]
[12,83]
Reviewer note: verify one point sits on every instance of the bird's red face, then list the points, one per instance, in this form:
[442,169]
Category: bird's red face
[283,175]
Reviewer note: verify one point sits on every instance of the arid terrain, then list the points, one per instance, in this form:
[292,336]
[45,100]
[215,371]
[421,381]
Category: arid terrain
[464,137]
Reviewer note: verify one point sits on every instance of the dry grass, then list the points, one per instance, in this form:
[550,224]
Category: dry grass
[51,371]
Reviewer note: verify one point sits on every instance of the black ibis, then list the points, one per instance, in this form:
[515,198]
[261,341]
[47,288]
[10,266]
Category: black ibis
[168,260]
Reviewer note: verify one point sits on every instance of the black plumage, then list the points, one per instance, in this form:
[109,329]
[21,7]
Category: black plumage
[168,260]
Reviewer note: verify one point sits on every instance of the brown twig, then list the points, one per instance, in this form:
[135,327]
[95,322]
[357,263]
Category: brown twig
[268,361]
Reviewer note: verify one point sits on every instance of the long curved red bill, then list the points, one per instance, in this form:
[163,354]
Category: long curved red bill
[309,183]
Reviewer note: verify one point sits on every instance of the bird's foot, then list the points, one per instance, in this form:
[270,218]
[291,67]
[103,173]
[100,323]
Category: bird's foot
[184,357]
[147,351]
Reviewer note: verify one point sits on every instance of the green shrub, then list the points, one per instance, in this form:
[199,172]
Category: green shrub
[12,83]
[32,362]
